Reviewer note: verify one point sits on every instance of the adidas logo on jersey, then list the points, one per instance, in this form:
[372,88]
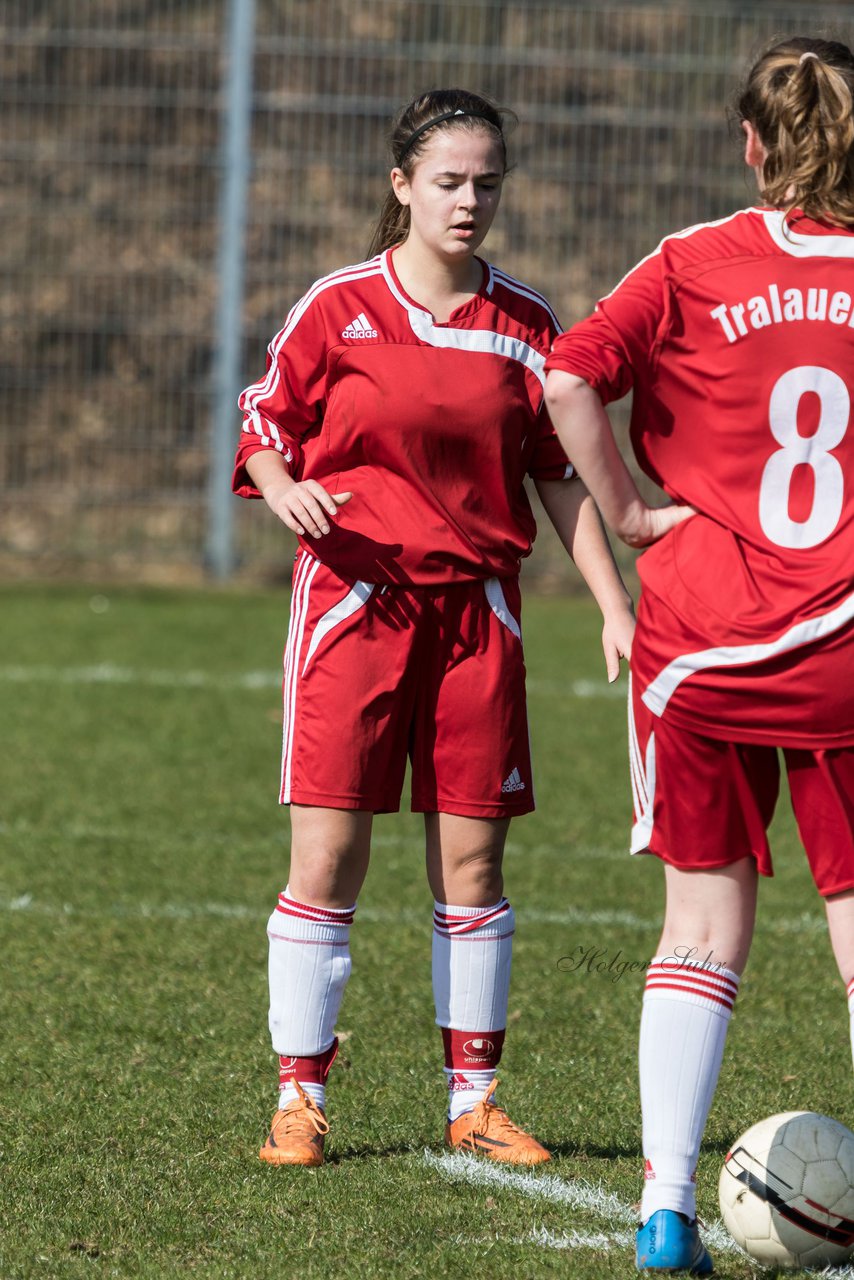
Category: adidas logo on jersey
[512,783]
[359,328]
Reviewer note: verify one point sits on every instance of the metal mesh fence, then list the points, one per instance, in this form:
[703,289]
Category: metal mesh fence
[111,115]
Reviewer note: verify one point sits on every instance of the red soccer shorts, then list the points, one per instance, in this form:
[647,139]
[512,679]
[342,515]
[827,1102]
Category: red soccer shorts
[375,673]
[703,802]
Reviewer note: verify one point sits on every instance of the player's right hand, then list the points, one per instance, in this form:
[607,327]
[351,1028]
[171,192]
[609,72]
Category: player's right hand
[304,505]
[648,524]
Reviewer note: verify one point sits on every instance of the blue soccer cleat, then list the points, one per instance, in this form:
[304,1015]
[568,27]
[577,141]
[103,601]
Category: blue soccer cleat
[668,1241]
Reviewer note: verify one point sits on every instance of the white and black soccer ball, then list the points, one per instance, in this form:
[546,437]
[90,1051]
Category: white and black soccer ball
[787,1190]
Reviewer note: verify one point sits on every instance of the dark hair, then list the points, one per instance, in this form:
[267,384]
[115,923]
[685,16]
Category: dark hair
[477,111]
[799,96]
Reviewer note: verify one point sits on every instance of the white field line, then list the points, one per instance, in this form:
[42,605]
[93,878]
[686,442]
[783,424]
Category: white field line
[601,1241]
[544,1186]
[221,839]
[576,1194]
[804,923]
[111,674]
[240,911]
[368,915]
[598,1240]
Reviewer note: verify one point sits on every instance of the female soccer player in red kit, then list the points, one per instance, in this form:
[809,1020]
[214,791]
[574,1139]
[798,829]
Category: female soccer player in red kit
[737,338]
[401,410]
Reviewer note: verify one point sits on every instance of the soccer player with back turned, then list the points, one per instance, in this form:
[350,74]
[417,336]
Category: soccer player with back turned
[401,410]
[737,338]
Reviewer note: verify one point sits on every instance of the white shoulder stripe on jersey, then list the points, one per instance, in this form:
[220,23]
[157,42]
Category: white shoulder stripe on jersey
[266,387]
[660,690]
[800,246]
[678,235]
[485,341]
[525,291]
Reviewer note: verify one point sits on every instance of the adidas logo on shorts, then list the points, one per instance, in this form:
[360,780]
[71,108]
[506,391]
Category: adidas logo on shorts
[359,328]
[512,783]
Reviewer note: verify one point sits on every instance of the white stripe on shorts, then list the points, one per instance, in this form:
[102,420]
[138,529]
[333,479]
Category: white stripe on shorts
[294,665]
[643,784]
[340,612]
[306,568]
[498,605]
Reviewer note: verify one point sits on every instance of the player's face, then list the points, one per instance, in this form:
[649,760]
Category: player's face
[453,191]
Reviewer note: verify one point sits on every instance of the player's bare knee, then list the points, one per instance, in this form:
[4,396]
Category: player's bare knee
[472,878]
[329,876]
[840,925]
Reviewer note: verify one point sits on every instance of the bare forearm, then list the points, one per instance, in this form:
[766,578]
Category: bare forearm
[573,513]
[303,505]
[584,430]
[267,470]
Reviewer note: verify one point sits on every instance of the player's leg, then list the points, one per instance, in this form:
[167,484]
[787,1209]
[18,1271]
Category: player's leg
[690,990]
[309,967]
[464,858]
[822,788]
[472,939]
[708,916]
[473,927]
[347,653]
[703,807]
[471,773]
[330,849]
[840,923]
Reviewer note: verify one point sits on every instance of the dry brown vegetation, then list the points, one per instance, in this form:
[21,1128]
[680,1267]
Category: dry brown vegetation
[109,180]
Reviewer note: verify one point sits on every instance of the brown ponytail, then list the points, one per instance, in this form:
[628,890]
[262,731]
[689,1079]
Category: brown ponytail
[476,111]
[799,97]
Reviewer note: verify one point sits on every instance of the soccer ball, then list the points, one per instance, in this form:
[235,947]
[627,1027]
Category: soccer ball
[787,1190]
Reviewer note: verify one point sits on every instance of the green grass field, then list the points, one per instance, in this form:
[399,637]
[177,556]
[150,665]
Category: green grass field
[141,849]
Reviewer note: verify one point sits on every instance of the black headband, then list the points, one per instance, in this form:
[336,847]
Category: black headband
[448,115]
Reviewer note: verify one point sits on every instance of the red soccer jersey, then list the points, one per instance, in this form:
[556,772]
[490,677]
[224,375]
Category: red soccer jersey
[433,427]
[737,338]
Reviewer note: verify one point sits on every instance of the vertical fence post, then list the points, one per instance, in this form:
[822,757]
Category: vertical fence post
[235,159]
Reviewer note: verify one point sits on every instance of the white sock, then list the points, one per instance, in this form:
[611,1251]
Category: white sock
[472,949]
[317,1093]
[465,1089]
[309,965]
[851,1013]
[686,1012]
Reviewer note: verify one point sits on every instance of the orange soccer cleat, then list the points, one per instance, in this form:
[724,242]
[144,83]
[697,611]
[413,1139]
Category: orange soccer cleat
[487,1130]
[297,1133]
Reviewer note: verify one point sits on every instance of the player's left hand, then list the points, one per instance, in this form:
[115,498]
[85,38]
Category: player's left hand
[617,635]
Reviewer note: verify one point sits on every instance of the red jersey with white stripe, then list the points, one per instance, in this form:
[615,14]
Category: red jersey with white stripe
[737,339]
[433,427]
